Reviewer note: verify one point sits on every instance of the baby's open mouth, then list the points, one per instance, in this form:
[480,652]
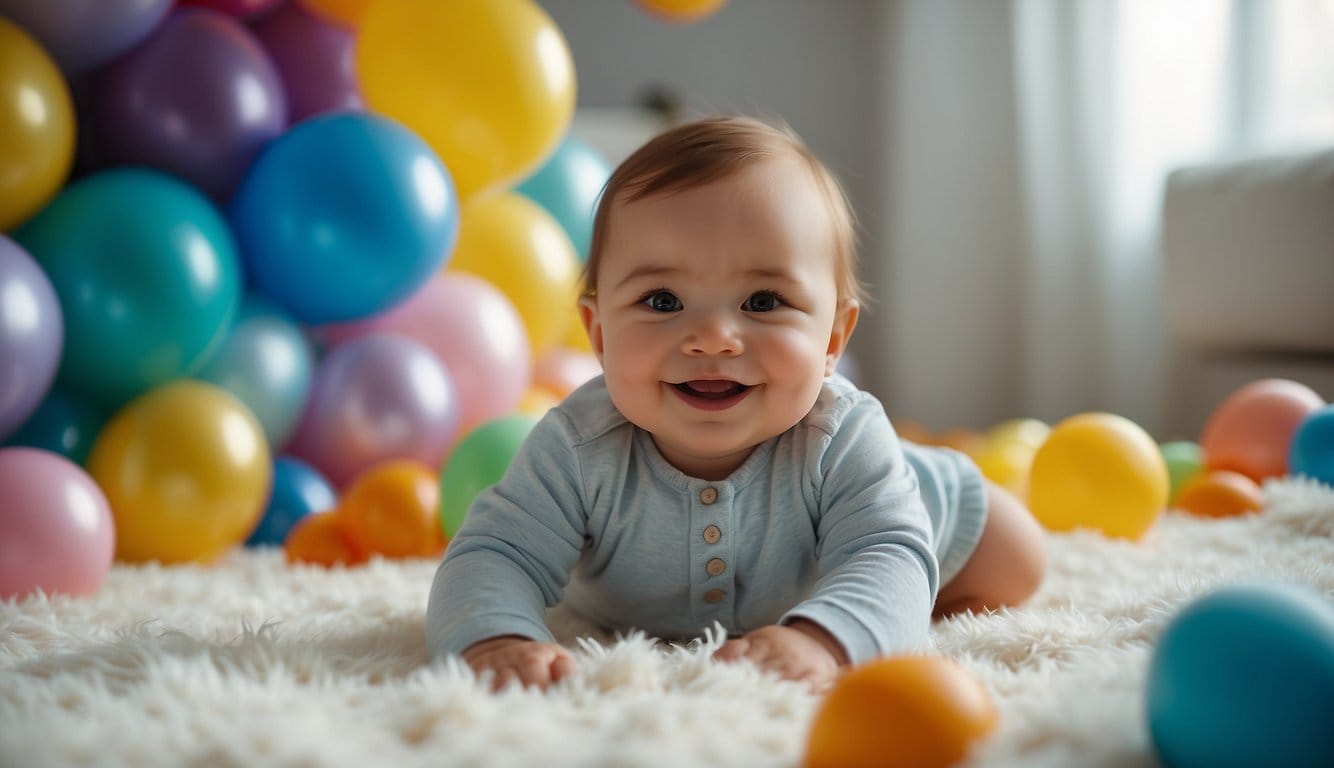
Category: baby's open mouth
[711,389]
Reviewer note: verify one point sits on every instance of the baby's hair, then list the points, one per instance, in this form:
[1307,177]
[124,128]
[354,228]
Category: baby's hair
[697,153]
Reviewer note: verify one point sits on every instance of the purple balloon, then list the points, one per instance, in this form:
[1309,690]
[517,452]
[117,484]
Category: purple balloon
[32,335]
[81,34]
[376,398]
[199,99]
[314,58]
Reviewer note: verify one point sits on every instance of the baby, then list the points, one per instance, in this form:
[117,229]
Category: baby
[720,470]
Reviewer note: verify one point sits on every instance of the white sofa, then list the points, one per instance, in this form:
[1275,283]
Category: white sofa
[1248,281]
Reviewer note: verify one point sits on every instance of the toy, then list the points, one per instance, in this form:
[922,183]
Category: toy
[1184,460]
[1312,450]
[391,510]
[920,711]
[1251,430]
[32,334]
[298,490]
[319,539]
[1219,493]
[1243,677]
[1100,471]
[36,152]
[477,462]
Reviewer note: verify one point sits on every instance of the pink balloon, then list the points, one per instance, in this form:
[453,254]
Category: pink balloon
[476,332]
[56,530]
[563,370]
[376,398]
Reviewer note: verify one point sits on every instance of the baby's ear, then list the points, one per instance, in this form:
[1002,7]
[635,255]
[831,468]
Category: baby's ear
[588,313]
[845,322]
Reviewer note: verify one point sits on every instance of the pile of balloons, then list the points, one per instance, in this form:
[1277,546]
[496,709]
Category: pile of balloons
[254,250]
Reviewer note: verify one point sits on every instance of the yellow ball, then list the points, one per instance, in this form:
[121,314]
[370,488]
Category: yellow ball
[521,249]
[36,126]
[488,85]
[1099,471]
[918,711]
[186,469]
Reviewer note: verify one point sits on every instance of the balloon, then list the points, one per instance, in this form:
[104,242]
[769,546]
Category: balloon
[298,490]
[32,334]
[266,362]
[241,9]
[1184,460]
[376,398]
[346,12]
[1219,493]
[1251,430]
[477,462]
[1312,451]
[186,470]
[390,510]
[199,99]
[344,216]
[1245,676]
[83,34]
[56,532]
[509,240]
[489,85]
[475,331]
[537,401]
[568,187]
[147,276]
[1099,471]
[319,539]
[64,423]
[36,126]
[314,60]
[900,711]
[682,11]
[562,370]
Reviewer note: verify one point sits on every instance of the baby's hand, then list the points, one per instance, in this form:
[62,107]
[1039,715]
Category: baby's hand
[802,650]
[518,658]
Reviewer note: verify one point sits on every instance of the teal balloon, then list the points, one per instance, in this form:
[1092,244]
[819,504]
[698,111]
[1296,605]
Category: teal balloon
[148,279]
[1243,677]
[266,361]
[63,423]
[568,186]
[477,462]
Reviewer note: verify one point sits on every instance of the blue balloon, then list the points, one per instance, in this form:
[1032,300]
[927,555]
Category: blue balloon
[1312,450]
[147,275]
[568,186]
[344,216]
[63,423]
[1244,677]
[298,490]
[266,361]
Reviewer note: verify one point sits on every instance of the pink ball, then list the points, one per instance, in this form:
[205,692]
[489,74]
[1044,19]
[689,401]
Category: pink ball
[56,530]
[563,370]
[475,331]
[1251,430]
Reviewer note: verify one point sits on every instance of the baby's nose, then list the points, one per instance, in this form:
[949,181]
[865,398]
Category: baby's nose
[713,334]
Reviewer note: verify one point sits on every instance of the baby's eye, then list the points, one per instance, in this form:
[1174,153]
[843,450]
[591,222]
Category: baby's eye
[663,301]
[762,301]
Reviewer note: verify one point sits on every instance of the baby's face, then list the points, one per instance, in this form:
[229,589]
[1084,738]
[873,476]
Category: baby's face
[716,315]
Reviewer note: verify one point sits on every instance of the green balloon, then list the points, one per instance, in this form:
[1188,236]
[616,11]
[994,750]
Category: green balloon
[476,463]
[1184,461]
[148,279]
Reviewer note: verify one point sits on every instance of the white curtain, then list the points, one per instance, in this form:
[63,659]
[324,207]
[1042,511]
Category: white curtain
[1078,109]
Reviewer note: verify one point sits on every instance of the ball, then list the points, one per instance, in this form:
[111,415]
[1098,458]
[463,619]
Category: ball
[478,461]
[1220,493]
[1184,460]
[319,539]
[391,510]
[298,490]
[1312,450]
[1098,471]
[1251,430]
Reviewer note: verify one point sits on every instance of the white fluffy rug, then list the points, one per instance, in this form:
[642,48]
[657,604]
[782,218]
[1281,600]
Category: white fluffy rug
[254,663]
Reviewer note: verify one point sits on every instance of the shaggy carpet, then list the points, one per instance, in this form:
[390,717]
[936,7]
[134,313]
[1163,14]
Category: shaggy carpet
[251,662]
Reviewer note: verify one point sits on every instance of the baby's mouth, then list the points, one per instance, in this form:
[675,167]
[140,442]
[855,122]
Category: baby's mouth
[711,389]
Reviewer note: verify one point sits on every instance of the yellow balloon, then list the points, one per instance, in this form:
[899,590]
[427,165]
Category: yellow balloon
[521,249]
[537,401]
[345,12]
[1027,432]
[36,126]
[682,10]
[186,469]
[1099,471]
[488,84]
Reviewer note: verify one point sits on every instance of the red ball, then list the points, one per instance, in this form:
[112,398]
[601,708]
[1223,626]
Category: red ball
[1251,430]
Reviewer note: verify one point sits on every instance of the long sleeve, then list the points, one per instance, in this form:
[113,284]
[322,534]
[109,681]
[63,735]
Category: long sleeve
[878,572]
[512,557]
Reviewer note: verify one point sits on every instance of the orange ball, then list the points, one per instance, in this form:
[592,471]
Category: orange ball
[391,510]
[1251,430]
[681,10]
[918,711]
[1219,493]
[319,538]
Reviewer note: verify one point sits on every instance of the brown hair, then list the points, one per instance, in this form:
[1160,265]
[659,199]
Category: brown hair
[699,152]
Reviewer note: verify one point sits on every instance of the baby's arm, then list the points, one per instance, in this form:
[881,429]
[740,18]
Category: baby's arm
[512,657]
[802,651]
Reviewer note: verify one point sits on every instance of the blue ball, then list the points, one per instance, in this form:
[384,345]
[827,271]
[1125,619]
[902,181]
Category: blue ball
[298,490]
[568,186]
[1245,677]
[1312,450]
